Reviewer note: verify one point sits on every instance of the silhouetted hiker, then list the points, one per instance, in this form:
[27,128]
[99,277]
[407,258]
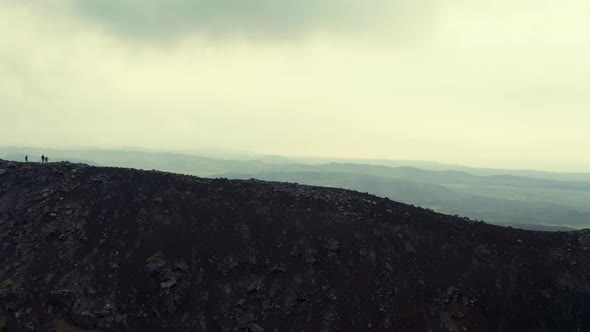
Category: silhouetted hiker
[42,159]
[46,159]
[26,159]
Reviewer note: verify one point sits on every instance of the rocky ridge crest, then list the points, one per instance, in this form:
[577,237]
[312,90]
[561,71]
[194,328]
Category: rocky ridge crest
[111,249]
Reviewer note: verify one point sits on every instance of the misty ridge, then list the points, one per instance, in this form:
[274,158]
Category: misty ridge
[524,199]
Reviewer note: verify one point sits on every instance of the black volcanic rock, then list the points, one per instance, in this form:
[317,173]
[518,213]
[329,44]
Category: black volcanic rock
[111,249]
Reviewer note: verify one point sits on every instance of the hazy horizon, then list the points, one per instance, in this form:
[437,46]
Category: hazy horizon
[233,154]
[503,84]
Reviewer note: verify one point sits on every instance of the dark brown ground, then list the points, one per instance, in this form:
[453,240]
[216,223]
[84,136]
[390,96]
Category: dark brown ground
[111,249]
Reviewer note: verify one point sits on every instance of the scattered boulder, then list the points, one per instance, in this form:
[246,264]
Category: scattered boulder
[84,319]
[253,327]
[12,297]
[173,279]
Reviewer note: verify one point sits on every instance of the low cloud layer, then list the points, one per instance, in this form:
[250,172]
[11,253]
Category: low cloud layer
[255,19]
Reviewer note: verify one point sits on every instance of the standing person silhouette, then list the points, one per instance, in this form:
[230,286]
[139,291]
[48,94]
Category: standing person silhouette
[42,159]
[26,159]
[46,159]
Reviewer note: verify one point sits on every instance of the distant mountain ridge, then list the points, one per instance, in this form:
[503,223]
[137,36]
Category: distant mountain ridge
[505,199]
[440,198]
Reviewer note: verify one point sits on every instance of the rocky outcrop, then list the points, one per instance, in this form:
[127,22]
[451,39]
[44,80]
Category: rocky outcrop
[109,249]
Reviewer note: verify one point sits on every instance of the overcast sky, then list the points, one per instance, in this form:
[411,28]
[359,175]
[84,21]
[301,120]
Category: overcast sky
[498,83]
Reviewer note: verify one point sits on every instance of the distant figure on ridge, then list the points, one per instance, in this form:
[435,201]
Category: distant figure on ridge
[46,159]
[26,159]
[42,159]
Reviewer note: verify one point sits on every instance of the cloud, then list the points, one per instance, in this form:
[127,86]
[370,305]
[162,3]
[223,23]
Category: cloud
[254,19]
[498,81]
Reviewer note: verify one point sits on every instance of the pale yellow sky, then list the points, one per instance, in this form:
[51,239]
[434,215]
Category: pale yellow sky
[485,83]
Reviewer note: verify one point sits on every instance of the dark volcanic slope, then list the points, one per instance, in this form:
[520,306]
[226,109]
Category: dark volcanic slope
[114,249]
